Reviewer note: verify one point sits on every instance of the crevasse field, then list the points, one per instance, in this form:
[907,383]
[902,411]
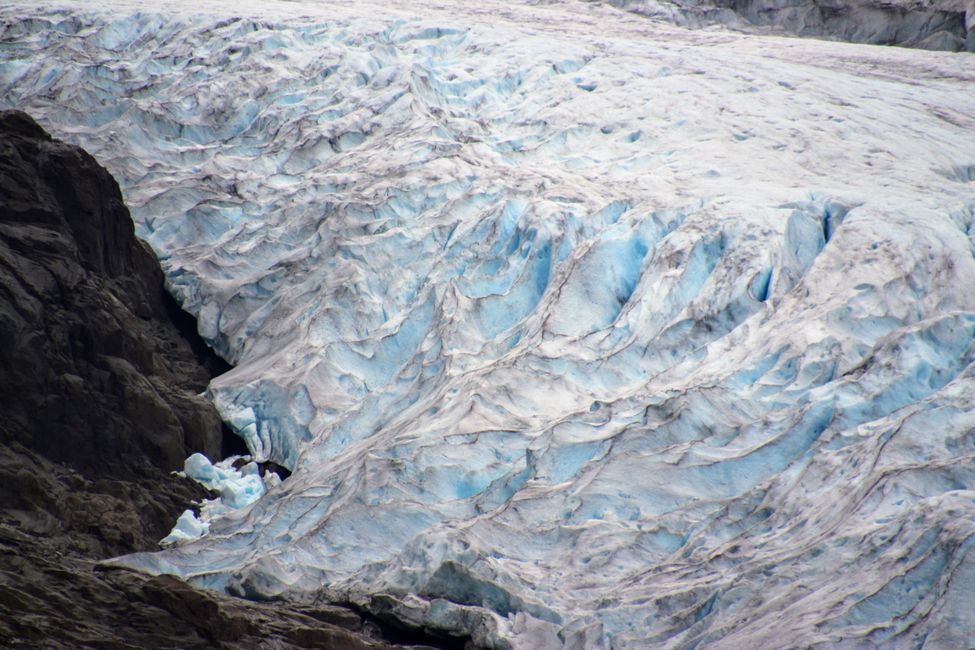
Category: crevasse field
[577,329]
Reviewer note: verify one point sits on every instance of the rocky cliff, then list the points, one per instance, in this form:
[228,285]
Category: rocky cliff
[926,24]
[99,383]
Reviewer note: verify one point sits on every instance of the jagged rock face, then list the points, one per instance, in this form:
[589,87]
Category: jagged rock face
[50,600]
[94,374]
[935,24]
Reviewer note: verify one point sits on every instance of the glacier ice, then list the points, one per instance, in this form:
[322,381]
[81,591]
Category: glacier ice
[236,480]
[188,527]
[576,329]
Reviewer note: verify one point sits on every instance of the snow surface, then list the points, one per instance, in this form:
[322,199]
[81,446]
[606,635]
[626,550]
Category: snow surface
[577,329]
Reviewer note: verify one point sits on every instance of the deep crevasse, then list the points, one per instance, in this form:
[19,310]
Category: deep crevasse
[576,329]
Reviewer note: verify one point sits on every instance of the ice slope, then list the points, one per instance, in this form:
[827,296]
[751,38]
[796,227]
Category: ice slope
[577,329]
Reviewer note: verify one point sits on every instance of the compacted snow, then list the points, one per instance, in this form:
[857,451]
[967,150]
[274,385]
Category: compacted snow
[577,329]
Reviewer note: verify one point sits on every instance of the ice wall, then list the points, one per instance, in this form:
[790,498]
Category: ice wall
[577,329]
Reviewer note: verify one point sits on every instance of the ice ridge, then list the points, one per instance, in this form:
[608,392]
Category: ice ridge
[576,329]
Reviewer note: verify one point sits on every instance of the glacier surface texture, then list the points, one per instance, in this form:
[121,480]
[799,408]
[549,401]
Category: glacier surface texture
[577,328]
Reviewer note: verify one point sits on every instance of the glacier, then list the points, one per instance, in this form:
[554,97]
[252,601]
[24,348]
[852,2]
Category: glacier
[577,329]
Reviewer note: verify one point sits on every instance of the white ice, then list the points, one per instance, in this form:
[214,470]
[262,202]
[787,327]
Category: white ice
[236,487]
[577,329]
[188,527]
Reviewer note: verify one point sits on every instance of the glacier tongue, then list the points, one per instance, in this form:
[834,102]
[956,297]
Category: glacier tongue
[576,329]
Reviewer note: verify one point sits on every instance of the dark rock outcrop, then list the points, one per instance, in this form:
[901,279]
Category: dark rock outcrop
[99,396]
[53,599]
[926,24]
[55,523]
[88,352]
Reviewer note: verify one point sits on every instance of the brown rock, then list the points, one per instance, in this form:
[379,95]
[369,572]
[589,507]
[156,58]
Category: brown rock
[89,352]
[99,375]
